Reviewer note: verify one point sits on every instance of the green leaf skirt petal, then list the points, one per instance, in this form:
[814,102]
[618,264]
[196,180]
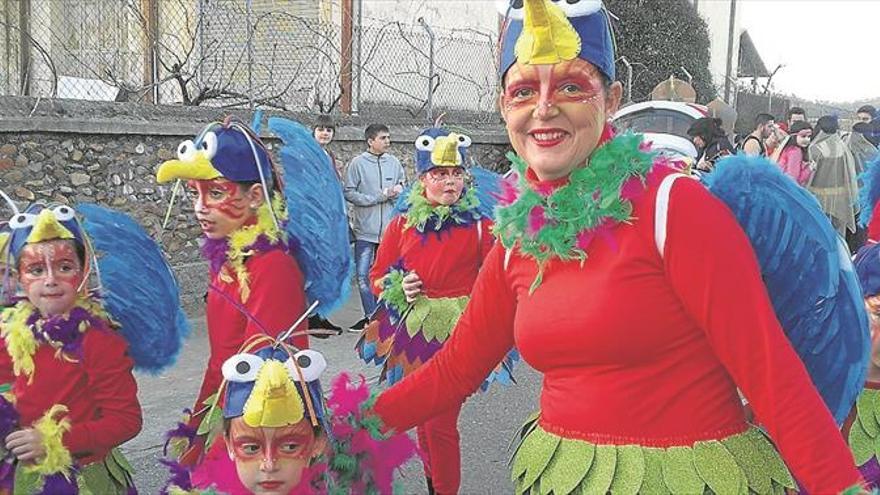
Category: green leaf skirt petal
[544,463]
[112,476]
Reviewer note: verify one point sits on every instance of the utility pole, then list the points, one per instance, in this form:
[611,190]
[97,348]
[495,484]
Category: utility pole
[730,37]
[345,72]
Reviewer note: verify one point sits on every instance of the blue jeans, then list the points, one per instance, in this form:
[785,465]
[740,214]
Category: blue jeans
[364,255]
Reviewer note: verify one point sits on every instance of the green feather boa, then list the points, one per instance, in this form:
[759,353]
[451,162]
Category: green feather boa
[561,223]
[423,215]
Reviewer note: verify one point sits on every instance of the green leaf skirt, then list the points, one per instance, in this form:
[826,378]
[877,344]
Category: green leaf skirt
[545,463]
[112,476]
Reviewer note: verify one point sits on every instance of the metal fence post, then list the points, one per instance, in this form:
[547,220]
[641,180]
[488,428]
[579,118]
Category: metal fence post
[429,109]
[629,79]
[250,54]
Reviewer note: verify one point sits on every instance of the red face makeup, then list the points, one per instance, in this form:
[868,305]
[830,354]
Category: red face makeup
[51,275]
[555,114]
[443,185]
[271,460]
[221,207]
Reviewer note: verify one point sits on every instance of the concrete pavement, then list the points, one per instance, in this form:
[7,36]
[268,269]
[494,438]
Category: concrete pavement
[487,424]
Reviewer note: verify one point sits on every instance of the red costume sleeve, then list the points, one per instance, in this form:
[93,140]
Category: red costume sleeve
[277,296]
[479,342]
[487,240]
[7,377]
[387,254]
[713,270]
[114,390]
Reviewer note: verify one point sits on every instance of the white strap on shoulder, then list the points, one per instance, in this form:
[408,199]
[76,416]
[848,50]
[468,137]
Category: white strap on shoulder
[661,211]
[507,253]
[480,231]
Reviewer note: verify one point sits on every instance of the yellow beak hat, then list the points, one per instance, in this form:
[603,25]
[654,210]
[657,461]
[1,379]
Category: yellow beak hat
[227,150]
[543,32]
[274,387]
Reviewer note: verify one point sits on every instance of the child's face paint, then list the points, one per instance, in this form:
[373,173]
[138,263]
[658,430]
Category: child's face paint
[443,185]
[555,114]
[51,275]
[272,460]
[221,207]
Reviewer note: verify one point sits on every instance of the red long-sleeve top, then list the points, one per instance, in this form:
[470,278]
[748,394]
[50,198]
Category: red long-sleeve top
[636,348]
[277,298]
[99,391]
[447,262]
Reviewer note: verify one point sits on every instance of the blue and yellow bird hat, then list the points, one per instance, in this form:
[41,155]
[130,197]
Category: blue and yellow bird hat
[40,222]
[229,150]
[438,147]
[275,386]
[543,32]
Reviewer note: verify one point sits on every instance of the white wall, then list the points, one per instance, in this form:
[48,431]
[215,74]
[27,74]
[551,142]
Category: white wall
[449,14]
[716,13]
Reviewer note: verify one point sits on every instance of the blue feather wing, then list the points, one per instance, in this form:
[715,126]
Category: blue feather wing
[317,215]
[488,185]
[139,288]
[869,193]
[808,273]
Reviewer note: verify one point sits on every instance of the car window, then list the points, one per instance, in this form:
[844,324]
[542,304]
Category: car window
[658,120]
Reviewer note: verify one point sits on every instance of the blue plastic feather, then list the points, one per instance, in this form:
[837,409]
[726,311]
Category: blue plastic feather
[139,288]
[317,215]
[808,273]
[869,193]
[488,184]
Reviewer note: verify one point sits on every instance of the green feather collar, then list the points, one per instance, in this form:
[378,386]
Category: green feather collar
[544,221]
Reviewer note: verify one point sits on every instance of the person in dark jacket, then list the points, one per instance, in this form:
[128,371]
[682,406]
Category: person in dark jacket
[711,142]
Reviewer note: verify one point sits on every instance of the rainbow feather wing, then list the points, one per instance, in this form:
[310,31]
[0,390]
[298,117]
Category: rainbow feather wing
[399,352]
[808,272]
[317,215]
[139,288]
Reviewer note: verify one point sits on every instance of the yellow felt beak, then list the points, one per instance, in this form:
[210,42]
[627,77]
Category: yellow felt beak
[199,168]
[445,152]
[47,228]
[547,36]
[274,401]
[4,245]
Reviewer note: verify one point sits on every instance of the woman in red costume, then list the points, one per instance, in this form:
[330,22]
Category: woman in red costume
[642,341]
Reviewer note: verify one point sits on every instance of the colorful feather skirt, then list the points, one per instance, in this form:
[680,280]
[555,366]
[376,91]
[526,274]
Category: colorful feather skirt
[112,476]
[402,340]
[743,463]
[864,435]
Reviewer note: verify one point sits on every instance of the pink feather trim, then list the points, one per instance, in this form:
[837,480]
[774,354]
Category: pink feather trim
[537,220]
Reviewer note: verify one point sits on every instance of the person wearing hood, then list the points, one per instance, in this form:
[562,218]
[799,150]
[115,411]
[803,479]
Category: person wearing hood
[834,180]
[860,146]
[793,156]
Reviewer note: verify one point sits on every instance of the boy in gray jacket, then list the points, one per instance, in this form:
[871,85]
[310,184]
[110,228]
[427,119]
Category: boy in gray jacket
[373,181]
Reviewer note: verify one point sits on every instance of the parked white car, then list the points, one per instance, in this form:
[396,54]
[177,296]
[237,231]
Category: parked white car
[664,123]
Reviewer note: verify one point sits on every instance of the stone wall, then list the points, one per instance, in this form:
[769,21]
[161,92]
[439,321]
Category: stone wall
[72,152]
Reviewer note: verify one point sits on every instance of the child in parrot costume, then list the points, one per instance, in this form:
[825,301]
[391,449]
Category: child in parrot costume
[648,299]
[270,235]
[284,439]
[862,427]
[70,349]
[425,268]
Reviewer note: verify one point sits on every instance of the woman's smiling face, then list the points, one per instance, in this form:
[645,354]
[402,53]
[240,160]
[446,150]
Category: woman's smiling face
[555,114]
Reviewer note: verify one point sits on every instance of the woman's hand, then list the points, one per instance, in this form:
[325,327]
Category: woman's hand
[412,286]
[26,445]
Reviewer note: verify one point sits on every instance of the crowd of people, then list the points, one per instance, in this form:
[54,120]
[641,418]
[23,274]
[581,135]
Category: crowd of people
[818,156]
[747,365]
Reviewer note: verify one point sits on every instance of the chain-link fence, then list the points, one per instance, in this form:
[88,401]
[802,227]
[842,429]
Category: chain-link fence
[284,54]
